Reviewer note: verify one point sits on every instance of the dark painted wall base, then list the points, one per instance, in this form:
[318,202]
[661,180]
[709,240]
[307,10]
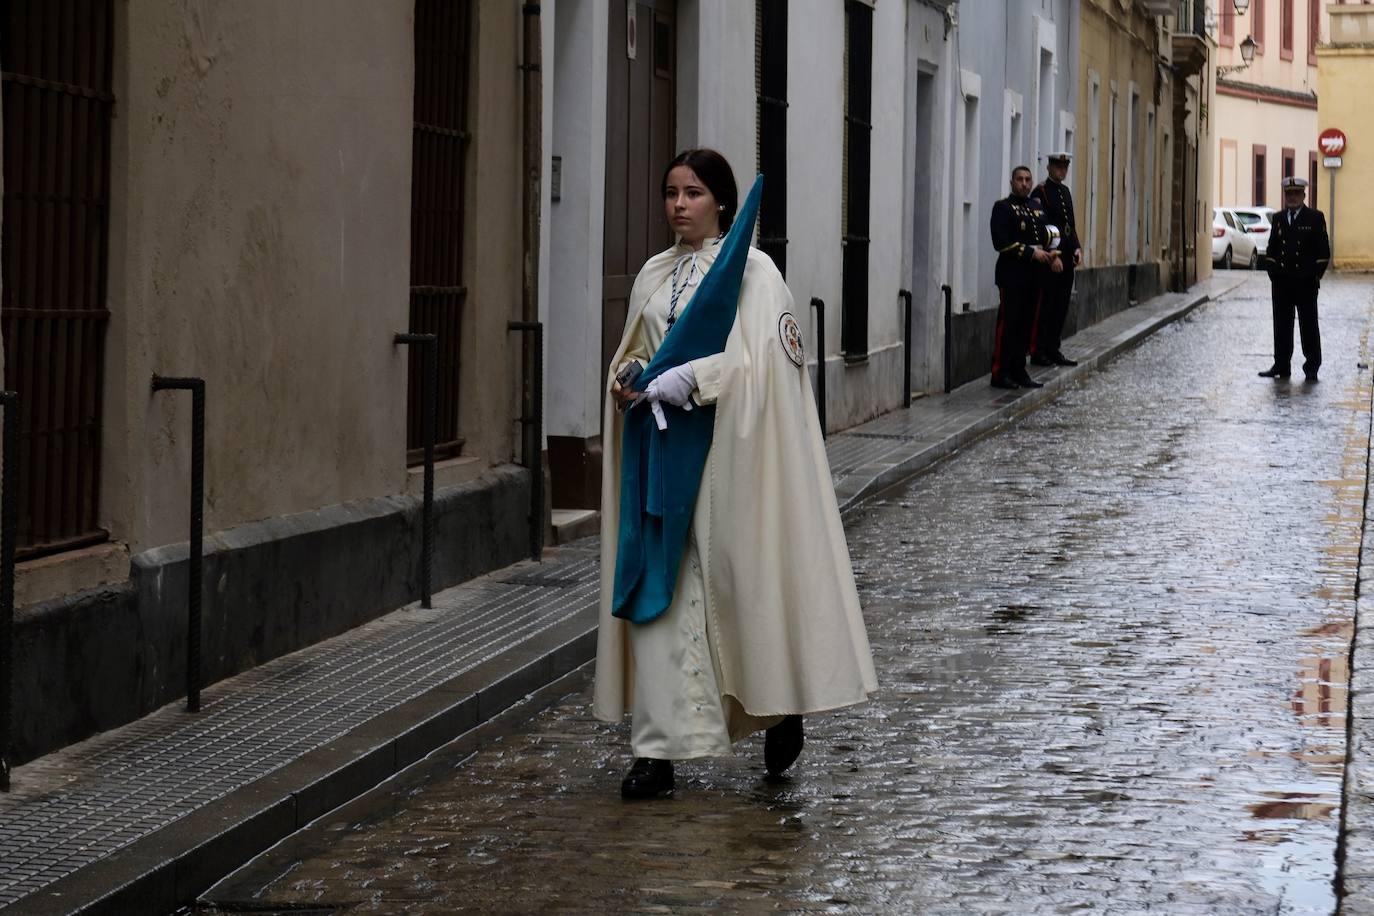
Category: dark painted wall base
[103,658]
[1098,293]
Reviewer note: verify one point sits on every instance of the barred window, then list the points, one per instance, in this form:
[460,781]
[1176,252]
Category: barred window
[858,140]
[58,104]
[437,194]
[770,79]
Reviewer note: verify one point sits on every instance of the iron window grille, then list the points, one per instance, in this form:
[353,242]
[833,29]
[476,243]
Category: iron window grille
[437,195]
[858,138]
[770,79]
[58,105]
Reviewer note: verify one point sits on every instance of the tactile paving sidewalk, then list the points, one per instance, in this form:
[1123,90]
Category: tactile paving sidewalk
[78,805]
[74,806]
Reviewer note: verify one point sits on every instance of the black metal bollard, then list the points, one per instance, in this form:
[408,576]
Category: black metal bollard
[429,343]
[949,339]
[195,559]
[818,304]
[532,428]
[9,524]
[905,294]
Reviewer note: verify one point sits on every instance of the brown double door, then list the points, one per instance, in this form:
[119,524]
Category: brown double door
[640,134]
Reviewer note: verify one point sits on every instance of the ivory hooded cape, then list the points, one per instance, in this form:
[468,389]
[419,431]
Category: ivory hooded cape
[782,610]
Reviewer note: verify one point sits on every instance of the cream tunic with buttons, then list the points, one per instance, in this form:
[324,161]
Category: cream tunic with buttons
[678,712]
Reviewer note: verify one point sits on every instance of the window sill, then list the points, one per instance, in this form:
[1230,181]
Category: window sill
[447,473]
[70,572]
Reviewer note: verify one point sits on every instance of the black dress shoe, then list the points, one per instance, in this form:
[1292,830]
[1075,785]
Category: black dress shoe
[1000,382]
[1038,360]
[1310,376]
[1025,381]
[1275,372]
[781,744]
[648,778]
[1060,359]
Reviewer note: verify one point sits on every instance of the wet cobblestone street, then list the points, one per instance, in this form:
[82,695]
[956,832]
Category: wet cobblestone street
[1112,646]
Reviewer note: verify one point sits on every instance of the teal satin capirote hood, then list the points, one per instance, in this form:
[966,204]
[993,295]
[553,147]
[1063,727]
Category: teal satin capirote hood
[660,469]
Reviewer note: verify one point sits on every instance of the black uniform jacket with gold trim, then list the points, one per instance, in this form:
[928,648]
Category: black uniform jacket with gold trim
[1300,250]
[1018,228]
[1057,201]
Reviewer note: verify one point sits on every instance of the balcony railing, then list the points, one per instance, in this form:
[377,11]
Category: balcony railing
[1191,18]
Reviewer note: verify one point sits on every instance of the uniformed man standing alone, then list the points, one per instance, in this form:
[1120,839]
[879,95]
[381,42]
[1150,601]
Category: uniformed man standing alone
[1053,197]
[1019,235]
[1298,255]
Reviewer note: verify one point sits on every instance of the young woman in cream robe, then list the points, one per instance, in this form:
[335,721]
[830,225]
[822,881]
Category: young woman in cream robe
[765,620]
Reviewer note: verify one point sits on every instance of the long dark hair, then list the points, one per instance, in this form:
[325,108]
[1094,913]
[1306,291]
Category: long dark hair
[715,172]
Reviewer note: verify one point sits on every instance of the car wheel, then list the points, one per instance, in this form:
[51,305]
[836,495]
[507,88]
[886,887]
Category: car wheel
[1226,259]
[1254,260]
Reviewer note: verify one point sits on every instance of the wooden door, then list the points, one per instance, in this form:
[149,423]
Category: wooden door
[640,134]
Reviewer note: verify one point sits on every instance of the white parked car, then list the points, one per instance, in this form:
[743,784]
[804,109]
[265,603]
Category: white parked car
[1258,221]
[1231,244]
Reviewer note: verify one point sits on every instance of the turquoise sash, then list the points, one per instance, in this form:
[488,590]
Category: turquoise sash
[660,470]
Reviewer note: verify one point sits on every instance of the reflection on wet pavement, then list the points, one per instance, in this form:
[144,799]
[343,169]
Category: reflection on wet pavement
[1112,643]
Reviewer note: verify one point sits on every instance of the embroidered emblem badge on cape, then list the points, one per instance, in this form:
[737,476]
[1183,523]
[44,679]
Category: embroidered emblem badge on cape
[790,335]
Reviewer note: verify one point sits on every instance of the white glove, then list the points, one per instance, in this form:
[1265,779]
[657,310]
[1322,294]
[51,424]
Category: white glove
[673,387]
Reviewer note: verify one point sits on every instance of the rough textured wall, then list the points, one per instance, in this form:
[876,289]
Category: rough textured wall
[490,380]
[1119,46]
[260,239]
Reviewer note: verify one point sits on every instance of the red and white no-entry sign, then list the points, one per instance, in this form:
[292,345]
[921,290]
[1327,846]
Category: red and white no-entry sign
[1332,142]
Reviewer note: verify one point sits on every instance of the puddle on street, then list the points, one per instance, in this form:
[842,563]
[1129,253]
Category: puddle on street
[1114,668]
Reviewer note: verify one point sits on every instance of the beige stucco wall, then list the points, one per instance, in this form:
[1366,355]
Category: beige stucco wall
[1242,122]
[1269,68]
[1345,75]
[259,239]
[490,379]
[1118,46]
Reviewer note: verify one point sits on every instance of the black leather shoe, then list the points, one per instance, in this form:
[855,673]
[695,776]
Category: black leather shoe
[1060,359]
[1000,382]
[1275,372]
[1310,376]
[1025,381]
[648,778]
[1038,360]
[781,745]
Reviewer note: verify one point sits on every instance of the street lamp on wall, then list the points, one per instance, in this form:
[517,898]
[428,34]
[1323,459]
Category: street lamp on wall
[1240,6]
[1247,51]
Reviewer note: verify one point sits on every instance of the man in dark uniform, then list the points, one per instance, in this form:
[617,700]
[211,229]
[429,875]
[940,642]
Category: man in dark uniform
[1298,255]
[1053,197]
[1018,234]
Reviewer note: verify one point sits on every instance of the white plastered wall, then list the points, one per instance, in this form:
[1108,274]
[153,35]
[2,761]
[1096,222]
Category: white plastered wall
[575,88]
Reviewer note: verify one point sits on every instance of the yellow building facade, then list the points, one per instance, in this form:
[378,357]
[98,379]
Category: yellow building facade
[1345,70]
[1139,181]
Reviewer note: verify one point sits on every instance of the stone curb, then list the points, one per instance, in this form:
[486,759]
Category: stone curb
[1024,404]
[174,865]
[1355,846]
